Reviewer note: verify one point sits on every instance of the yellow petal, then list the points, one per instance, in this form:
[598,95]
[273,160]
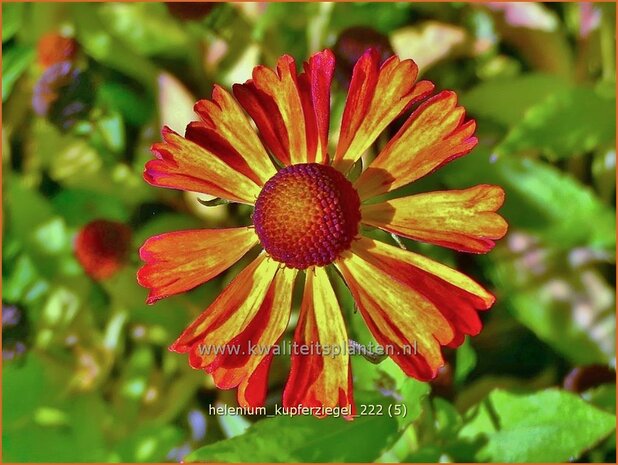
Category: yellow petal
[463,220]
[432,136]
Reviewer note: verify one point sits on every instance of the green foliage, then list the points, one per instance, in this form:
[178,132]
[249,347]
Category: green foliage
[561,126]
[506,100]
[140,25]
[304,439]
[12,17]
[523,428]
[105,48]
[15,61]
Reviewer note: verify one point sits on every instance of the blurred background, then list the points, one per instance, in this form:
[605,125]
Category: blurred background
[86,373]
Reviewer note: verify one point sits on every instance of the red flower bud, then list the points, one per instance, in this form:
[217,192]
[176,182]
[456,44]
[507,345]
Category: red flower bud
[187,11]
[351,45]
[102,247]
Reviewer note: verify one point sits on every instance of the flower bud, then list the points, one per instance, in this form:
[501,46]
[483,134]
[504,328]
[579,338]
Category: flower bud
[351,45]
[190,11]
[102,247]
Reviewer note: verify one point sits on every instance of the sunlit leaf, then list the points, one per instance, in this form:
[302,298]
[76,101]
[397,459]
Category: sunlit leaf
[15,60]
[145,28]
[507,100]
[545,426]
[540,198]
[306,439]
[566,124]
[12,15]
[105,48]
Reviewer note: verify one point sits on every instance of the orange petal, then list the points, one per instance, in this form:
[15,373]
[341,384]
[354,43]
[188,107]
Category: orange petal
[182,164]
[463,220]
[226,130]
[250,371]
[377,95]
[432,136]
[229,314]
[401,319]
[284,130]
[179,261]
[320,375]
[233,338]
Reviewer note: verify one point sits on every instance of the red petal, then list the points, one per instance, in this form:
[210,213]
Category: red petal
[314,86]
[291,111]
[319,379]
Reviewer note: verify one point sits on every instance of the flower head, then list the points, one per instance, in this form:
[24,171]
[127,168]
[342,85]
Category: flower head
[102,247]
[310,217]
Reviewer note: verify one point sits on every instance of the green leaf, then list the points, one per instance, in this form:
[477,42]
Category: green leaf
[465,361]
[21,277]
[12,17]
[110,129]
[603,396]
[15,61]
[82,417]
[150,444]
[547,426]
[213,202]
[26,208]
[233,425]
[140,26]
[304,439]
[80,206]
[566,124]
[134,107]
[569,308]
[40,414]
[507,100]
[105,48]
[540,198]
[381,16]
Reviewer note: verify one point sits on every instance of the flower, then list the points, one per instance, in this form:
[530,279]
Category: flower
[308,217]
[54,48]
[350,46]
[102,247]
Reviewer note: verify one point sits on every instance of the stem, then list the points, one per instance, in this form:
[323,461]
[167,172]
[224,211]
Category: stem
[370,356]
[608,34]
